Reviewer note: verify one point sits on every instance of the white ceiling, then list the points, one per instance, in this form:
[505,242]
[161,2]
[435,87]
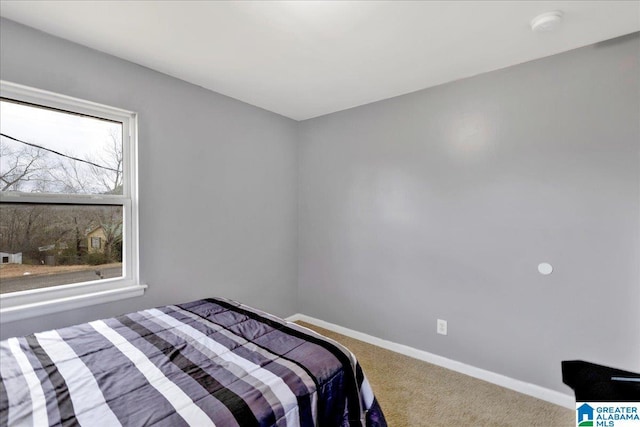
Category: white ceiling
[303,59]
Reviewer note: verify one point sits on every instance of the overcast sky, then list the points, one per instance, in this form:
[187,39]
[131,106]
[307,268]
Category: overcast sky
[74,135]
[80,137]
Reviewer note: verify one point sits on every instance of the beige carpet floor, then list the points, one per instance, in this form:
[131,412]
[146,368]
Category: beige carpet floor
[415,393]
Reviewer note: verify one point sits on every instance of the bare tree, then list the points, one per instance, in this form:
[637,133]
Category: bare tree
[21,165]
[111,223]
[10,229]
[110,179]
[95,174]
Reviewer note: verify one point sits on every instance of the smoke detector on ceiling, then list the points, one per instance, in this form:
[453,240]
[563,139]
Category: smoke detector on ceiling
[548,21]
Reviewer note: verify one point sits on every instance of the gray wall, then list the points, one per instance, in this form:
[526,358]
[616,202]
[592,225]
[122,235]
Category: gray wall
[437,204]
[441,204]
[217,180]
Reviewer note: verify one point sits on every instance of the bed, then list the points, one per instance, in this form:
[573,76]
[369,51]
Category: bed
[598,383]
[212,362]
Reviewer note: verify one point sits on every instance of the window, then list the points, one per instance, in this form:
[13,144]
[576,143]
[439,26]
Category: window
[68,203]
[96,242]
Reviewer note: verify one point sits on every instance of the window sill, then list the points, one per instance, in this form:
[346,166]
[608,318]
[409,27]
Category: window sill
[25,311]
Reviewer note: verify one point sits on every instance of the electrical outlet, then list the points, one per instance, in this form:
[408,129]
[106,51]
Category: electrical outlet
[441,327]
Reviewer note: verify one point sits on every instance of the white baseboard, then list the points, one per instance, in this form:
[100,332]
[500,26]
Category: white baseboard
[552,396]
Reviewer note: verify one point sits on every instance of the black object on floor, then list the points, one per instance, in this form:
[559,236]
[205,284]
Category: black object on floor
[597,383]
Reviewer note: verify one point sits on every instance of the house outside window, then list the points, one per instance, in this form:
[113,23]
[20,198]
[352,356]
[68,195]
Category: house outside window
[68,202]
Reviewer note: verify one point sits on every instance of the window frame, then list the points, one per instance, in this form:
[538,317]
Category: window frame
[37,302]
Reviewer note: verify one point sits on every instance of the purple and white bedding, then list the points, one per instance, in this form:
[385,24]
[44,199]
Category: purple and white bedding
[211,362]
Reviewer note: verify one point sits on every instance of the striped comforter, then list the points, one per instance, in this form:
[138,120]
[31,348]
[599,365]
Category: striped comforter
[204,363]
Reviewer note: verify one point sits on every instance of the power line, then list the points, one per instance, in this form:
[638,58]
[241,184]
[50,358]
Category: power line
[58,153]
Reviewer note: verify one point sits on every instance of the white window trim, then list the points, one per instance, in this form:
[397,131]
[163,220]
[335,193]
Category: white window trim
[37,302]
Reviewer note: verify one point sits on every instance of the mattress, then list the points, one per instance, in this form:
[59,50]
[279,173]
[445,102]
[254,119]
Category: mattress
[212,362]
